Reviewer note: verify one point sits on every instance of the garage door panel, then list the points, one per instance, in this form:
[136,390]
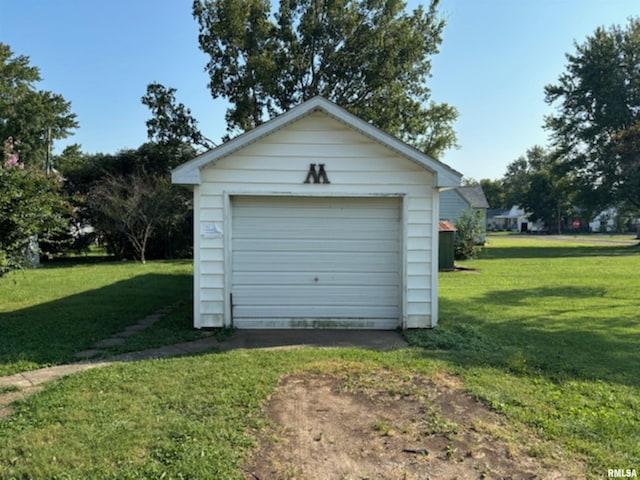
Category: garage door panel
[308,207]
[317,262]
[316,228]
[284,279]
[314,295]
[298,259]
[315,245]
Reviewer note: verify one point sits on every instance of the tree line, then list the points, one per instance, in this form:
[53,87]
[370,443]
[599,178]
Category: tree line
[370,56]
[64,203]
[592,161]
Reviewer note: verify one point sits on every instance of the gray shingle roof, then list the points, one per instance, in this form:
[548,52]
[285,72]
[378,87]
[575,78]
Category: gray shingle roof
[474,196]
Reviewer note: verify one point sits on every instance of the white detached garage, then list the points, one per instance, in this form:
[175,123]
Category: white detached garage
[315,219]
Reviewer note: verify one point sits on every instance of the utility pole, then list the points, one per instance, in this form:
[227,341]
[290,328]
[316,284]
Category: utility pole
[48,162]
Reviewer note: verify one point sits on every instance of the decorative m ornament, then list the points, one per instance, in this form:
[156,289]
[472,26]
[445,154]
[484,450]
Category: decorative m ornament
[319,176]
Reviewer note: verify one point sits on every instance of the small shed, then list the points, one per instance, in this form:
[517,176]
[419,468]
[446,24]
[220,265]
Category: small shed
[315,219]
[447,248]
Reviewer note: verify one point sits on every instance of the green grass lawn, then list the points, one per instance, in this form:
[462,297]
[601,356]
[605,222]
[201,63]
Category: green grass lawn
[49,314]
[546,333]
[549,334]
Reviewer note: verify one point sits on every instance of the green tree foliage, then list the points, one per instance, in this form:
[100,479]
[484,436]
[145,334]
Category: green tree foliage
[27,114]
[30,205]
[515,181]
[136,207]
[494,193]
[627,155]
[597,100]
[371,57]
[30,120]
[140,170]
[540,184]
[172,126]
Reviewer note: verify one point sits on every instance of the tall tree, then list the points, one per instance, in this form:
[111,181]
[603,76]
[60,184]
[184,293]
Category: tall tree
[540,184]
[598,98]
[494,192]
[627,156]
[30,205]
[369,56]
[171,124]
[516,181]
[31,117]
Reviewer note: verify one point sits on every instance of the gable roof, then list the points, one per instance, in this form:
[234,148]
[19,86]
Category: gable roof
[474,196]
[189,173]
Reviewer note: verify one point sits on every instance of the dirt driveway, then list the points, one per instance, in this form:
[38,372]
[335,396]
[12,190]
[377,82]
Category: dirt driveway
[381,427]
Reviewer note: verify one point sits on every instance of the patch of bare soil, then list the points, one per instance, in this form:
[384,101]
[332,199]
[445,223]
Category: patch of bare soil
[382,427]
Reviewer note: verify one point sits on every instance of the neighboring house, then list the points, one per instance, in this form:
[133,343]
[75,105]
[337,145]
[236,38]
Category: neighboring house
[611,220]
[315,219]
[460,199]
[513,220]
[456,200]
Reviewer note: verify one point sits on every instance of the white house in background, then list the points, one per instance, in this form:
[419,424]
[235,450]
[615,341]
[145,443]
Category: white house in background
[316,219]
[604,221]
[513,220]
[610,220]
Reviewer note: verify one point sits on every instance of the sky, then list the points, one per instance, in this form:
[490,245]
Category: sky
[494,62]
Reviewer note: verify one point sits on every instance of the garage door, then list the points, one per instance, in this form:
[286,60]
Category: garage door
[302,262]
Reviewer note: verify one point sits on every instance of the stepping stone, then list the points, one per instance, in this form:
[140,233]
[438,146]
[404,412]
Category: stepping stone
[150,320]
[109,342]
[135,328]
[86,354]
[128,333]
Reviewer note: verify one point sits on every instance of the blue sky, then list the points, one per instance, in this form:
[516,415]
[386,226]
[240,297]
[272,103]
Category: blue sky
[496,58]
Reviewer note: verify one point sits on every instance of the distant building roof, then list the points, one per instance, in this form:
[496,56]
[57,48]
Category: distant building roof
[474,196]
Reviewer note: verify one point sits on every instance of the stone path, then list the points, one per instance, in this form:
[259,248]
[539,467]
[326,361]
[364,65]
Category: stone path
[20,385]
[120,337]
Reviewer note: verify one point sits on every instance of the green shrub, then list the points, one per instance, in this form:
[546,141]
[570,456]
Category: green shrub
[469,232]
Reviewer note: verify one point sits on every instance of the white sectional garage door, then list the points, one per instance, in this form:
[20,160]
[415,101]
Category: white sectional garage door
[302,262]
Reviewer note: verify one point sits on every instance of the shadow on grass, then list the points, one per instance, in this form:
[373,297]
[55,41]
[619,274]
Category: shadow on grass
[570,251]
[586,348]
[52,332]
[541,294]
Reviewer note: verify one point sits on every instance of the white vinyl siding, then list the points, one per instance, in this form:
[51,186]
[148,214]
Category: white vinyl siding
[358,167]
[315,262]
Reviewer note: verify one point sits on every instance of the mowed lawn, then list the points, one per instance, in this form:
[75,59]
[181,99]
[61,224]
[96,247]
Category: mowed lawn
[49,314]
[545,332]
[548,332]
